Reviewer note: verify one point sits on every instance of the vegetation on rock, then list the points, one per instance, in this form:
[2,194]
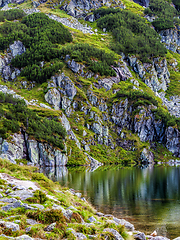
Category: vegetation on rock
[132,34]
[15,116]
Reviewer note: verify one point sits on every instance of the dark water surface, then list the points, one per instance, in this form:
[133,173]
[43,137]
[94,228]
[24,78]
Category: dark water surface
[148,198]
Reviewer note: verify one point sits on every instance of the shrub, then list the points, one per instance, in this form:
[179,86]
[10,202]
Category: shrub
[11,14]
[39,34]
[165,13]
[163,23]
[50,216]
[132,34]
[96,59]
[19,116]
[39,197]
[177,4]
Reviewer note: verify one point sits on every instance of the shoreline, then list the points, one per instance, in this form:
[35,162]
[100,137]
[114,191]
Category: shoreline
[34,207]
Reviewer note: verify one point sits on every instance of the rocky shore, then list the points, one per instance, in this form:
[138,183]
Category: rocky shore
[33,207]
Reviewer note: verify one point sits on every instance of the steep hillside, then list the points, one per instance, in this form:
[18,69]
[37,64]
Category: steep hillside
[77,92]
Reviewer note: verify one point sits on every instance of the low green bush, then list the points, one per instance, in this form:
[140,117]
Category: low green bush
[97,60]
[11,14]
[165,13]
[131,33]
[39,34]
[19,117]
[50,216]
[39,197]
[140,98]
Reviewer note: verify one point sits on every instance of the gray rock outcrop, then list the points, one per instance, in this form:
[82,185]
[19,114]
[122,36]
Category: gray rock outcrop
[8,72]
[155,75]
[53,97]
[144,3]
[77,8]
[13,226]
[36,152]
[72,23]
[15,149]
[115,233]
[171,38]
[17,48]
[61,93]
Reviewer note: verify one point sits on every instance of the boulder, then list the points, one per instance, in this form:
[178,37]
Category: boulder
[159,238]
[31,221]
[75,67]
[92,219]
[140,236]
[50,227]
[17,48]
[24,237]
[13,226]
[22,194]
[127,224]
[115,233]
[53,97]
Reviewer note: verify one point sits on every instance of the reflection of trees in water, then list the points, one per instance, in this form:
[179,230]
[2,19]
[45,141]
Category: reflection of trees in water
[133,188]
[148,194]
[124,185]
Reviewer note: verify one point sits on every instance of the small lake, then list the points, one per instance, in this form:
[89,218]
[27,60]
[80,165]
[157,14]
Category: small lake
[149,198]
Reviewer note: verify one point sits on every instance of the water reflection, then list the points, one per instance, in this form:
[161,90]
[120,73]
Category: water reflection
[55,173]
[148,197]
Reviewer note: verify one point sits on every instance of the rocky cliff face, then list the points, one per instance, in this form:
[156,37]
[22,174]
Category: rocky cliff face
[155,75]
[120,116]
[39,154]
[100,117]
[80,8]
[93,116]
[171,38]
[9,73]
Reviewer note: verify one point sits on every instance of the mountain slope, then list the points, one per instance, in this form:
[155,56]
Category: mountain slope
[104,82]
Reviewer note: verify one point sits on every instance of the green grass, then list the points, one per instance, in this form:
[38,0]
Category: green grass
[133,7]
[174,86]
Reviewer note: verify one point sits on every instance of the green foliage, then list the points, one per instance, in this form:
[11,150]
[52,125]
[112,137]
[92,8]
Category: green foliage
[39,74]
[165,13]
[86,230]
[162,23]
[166,117]
[38,33]
[140,98]
[96,59]
[131,33]
[19,116]
[101,12]
[39,197]
[161,8]
[51,216]
[11,14]
[177,4]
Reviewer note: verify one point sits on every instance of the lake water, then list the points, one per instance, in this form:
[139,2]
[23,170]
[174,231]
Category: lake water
[149,198]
